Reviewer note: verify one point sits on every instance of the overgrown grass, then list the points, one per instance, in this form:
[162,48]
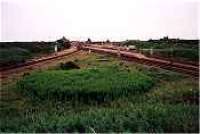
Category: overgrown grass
[142,117]
[84,85]
[169,106]
[182,50]
[13,55]
[177,92]
[178,53]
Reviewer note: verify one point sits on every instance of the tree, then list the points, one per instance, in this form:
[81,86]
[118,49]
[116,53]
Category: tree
[107,41]
[62,40]
[63,43]
[89,40]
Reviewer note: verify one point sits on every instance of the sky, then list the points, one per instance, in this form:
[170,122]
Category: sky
[116,20]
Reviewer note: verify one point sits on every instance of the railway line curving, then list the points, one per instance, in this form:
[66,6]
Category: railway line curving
[192,70]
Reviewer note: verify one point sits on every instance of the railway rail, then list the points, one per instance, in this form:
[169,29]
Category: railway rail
[126,55]
[154,62]
[34,62]
[152,56]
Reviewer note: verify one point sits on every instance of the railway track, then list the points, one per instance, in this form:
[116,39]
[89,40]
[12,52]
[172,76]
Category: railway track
[130,56]
[154,62]
[34,62]
[156,57]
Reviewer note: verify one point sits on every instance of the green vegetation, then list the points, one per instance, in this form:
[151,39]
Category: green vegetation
[154,100]
[69,65]
[142,117]
[85,85]
[177,92]
[184,50]
[178,54]
[16,53]
[13,55]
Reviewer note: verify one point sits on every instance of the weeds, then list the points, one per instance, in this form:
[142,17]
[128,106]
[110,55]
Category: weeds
[101,97]
[84,85]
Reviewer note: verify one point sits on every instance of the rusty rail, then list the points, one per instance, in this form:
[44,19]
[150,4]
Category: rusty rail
[154,62]
[35,61]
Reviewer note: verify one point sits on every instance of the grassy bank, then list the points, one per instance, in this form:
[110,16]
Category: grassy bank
[12,53]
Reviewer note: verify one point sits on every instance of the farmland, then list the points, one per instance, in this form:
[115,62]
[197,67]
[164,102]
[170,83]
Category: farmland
[104,94]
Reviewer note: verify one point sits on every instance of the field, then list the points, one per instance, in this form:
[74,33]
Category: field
[104,95]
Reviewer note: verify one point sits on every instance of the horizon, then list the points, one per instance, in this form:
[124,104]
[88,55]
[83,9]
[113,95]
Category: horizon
[78,20]
[100,40]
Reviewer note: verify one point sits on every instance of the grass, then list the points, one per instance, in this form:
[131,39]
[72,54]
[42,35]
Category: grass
[182,50]
[142,117]
[177,53]
[177,92]
[13,55]
[85,84]
[169,105]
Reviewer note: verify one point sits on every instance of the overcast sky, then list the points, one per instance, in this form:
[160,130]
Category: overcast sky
[37,20]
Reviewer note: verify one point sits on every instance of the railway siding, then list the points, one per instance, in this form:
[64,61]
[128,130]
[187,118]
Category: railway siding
[155,62]
[132,56]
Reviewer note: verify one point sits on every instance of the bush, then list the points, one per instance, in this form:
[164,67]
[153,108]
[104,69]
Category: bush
[69,65]
[85,85]
[63,43]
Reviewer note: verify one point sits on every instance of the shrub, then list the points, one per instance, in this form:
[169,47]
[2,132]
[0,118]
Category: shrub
[69,65]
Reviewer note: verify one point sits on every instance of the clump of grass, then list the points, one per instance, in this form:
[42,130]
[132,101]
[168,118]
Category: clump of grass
[183,91]
[85,84]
